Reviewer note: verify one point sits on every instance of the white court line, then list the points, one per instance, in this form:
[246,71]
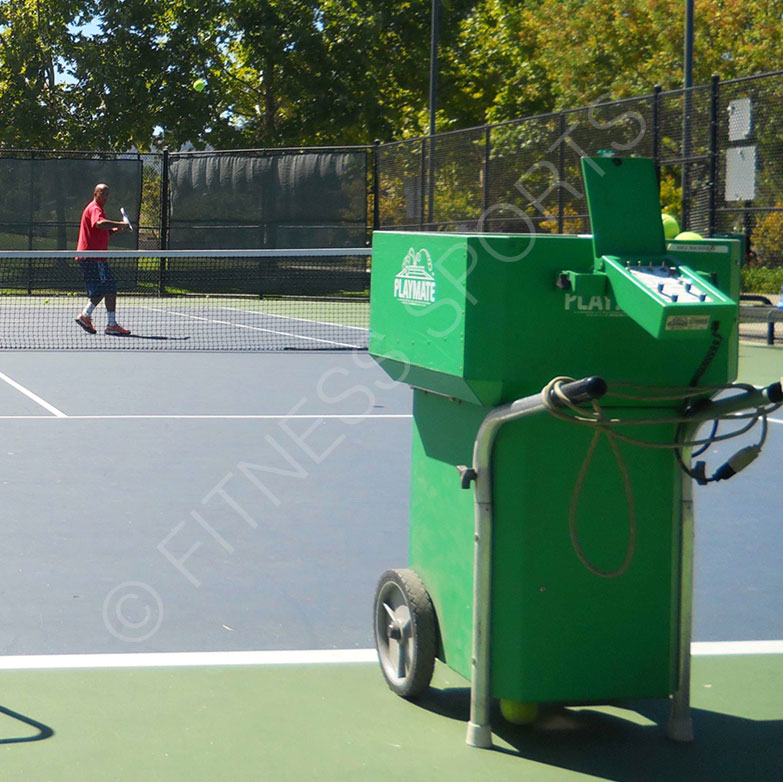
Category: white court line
[254,328]
[30,395]
[296,657]
[289,317]
[186,659]
[704,648]
[275,417]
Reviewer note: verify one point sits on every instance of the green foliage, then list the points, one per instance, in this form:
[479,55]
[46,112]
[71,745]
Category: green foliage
[768,238]
[671,194]
[299,72]
[762,280]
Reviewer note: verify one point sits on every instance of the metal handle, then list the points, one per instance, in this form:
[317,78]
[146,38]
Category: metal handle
[584,390]
[711,409]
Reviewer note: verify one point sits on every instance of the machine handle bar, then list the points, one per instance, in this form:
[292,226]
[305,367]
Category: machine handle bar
[579,391]
[760,397]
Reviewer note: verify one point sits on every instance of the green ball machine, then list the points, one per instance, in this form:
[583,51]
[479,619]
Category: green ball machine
[551,531]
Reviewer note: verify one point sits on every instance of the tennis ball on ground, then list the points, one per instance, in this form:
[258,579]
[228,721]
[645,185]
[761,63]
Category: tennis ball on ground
[199,84]
[518,712]
[670,226]
[688,235]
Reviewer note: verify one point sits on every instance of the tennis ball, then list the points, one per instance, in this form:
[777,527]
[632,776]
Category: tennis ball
[199,84]
[670,226]
[518,712]
[687,236]
[46,301]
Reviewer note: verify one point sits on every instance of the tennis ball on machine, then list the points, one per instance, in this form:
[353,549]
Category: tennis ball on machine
[199,84]
[518,712]
[688,236]
[670,226]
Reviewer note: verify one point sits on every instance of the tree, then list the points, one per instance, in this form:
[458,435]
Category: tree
[294,72]
[496,65]
[133,79]
[34,42]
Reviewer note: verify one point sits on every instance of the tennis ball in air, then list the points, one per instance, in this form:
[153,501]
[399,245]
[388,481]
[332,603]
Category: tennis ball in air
[199,84]
[46,301]
[670,226]
[688,236]
[518,712]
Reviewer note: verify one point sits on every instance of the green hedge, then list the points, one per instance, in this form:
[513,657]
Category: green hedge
[761,279]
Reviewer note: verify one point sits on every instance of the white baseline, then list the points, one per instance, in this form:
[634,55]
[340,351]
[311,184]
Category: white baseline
[295,657]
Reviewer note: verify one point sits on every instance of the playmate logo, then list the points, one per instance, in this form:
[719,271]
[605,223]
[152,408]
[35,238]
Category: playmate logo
[592,305]
[415,284]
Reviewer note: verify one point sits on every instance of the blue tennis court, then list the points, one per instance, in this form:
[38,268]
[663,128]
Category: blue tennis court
[203,532]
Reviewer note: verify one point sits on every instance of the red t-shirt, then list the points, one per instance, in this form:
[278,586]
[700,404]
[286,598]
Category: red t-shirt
[90,237]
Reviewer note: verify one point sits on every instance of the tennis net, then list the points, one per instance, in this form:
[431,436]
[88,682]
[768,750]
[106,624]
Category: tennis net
[248,300]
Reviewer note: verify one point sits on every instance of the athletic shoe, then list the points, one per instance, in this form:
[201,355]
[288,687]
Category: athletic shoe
[85,323]
[117,331]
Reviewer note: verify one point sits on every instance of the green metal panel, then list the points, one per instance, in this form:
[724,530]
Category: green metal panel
[624,205]
[441,517]
[720,258]
[500,328]
[559,632]
[667,302]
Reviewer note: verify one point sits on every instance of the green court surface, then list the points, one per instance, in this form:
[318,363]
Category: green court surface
[760,364]
[340,722]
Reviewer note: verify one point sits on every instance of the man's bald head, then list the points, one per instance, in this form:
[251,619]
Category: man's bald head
[101,193]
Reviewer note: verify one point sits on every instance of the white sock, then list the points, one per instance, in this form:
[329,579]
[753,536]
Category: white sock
[112,318]
[88,310]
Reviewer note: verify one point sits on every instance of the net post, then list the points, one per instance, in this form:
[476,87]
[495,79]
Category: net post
[30,227]
[31,204]
[164,221]
[164,202]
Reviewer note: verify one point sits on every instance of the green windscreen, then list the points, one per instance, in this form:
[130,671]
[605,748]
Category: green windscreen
[624,206]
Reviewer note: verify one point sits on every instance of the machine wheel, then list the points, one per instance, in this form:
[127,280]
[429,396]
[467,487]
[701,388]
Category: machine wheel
[406,634]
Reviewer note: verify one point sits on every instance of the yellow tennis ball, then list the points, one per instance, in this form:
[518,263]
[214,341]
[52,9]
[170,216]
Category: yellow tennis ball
[199,84]
[46,301]
[670,226]
[687,236]
[518,712]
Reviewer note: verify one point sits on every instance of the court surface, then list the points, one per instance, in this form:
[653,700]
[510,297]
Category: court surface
[191,544]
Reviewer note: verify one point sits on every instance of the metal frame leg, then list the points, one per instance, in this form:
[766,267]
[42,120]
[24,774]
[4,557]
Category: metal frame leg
[680,725]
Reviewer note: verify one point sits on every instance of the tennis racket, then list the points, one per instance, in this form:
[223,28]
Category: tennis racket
[126,218]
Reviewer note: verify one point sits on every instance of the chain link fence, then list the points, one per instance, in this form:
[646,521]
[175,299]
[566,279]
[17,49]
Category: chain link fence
[718,147]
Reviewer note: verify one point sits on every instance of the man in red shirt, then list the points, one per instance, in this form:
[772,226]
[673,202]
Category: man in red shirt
[94,232]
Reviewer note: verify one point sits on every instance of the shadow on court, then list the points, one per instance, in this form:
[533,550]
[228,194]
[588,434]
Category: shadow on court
[609,746]
[147,336]
[44,731]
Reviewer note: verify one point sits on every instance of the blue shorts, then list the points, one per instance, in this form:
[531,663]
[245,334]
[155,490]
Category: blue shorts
[98,278]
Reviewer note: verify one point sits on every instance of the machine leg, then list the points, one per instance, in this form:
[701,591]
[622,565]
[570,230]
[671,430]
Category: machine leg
[680,726]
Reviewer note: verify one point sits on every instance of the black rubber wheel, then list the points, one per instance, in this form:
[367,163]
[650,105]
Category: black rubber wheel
[406,634]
